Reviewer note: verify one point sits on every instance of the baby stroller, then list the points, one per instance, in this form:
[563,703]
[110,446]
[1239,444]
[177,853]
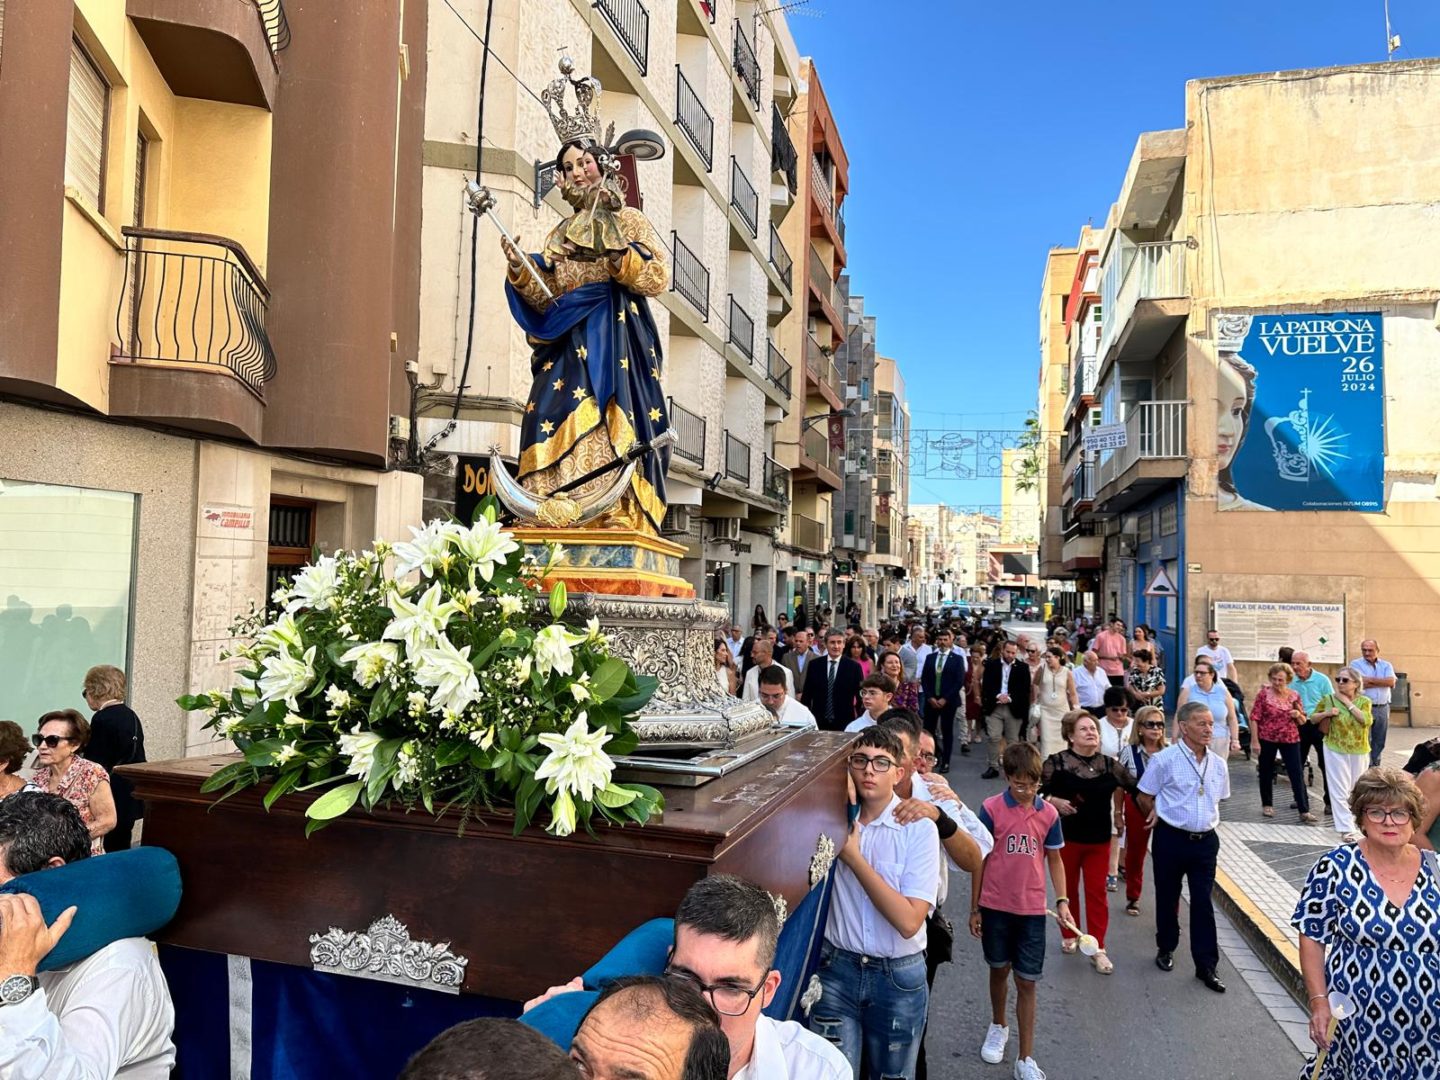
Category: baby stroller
[1244,721]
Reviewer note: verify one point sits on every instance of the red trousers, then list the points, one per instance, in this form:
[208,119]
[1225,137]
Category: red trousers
[1137,843]
[1085,868]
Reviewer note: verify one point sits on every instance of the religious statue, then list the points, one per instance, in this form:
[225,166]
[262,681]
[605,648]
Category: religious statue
[594,439]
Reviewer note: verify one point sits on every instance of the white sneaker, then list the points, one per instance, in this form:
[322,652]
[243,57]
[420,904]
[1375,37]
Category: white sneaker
[1026,1069]
[994,1049]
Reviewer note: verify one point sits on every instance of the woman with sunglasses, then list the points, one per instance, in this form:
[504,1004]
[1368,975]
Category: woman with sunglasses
[1147,738]
[1205,686]
[61,770]
[1345,718]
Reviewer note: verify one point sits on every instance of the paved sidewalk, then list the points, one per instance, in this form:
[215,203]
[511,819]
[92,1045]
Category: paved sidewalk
[1264,861]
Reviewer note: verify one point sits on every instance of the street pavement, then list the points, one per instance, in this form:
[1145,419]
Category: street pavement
[1138,1022]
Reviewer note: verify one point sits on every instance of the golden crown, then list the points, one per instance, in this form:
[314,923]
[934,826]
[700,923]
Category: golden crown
[583,125]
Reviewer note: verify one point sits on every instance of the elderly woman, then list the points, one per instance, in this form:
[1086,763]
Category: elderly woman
[1081,783]
[116,738]
[14,748]
[1345,718]
[1206,687]
[1275,716]
[1368,930]
[62,771]
[1145,680]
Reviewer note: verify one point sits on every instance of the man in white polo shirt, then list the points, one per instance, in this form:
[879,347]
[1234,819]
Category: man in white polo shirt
[1218,655]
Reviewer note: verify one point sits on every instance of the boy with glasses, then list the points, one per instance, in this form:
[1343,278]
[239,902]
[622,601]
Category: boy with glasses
[872,970]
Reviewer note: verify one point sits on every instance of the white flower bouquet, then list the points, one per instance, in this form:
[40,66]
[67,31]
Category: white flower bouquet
[450,692]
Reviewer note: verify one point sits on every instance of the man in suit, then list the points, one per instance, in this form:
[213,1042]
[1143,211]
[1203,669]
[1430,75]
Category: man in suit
[1005,701]
[764,656]
[832,685]
[799,655]
[942,691]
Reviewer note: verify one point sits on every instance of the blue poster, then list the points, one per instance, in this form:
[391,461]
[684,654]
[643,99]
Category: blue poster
[1301,406]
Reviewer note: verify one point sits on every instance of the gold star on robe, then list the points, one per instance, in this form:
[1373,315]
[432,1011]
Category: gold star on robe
[530,406]
[580,393]
[548,365]
[559,384]
[654,374]
[624,363]
[582,352]
[652,352]
[546,426]
[654,415]
[621,316]
[634,310]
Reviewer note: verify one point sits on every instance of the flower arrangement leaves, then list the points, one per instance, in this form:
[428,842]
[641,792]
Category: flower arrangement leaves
[426,675]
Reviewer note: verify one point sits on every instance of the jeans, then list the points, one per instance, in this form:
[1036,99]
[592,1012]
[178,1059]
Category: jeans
[1290,754]
[875,1005]
[1380,724]
[1178,855]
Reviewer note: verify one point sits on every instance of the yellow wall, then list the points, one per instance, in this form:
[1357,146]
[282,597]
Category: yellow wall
[220,173]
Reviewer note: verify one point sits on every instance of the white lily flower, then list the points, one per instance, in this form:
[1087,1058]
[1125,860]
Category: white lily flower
[419,624]
[285,677]
[292,720]
[447,671]
[339,699]
[576,762]
[425,552]
[315,587]
[371,660]
[359,746]
[522,671]
[553,647]
[485,544]
[592,629]
[579,692]
[562,815]
[510,604]
[283,635]
[415,703]
[287,753]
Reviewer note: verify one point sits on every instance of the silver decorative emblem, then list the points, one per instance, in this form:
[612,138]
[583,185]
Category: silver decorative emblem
[821,860]
[813,993]
[782,909]
[387,953]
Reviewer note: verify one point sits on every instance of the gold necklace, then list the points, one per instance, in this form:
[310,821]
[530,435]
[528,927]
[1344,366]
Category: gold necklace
[1386,877]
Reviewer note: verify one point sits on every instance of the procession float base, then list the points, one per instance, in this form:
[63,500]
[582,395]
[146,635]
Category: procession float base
[611,561]
[430,913]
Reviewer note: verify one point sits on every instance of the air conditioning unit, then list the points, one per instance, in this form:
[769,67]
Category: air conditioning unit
[676,521]
[851,392]
[727,528]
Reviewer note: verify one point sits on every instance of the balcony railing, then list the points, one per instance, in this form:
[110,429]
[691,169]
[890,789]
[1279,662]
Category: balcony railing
[694,119]
[783,156]
[1082,381]
[780,258]
[631,23]
[1142,272]
[817,447]
[820,185]
[776,480]
[746,66]
[737,458]
[882,539]
[742,329]
[691,278]
[884,473]
[822,368]
[807,533]
[689,433]
[192,298]
[840,221]
[1153,430]
[744,199]
[820,276]
[277,27]
[1082,484]
[777,368]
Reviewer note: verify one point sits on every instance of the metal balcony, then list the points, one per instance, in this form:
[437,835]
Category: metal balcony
[742,330]
[277,27]
[746,66]
[778,368]
[737,458]
[1134,273]
[631,23]
[822,369]
[807,533]
[820,186]
[1155,451]
[780,258]
[776,480]
[783,156]
[691,278]
[692,118]
[822,281]
[744,198]
[689,433]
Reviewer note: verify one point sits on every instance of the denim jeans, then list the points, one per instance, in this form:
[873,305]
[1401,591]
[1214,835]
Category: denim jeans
[873,1004]
[1379,727]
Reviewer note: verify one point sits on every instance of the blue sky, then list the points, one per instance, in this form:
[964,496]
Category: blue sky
[990,132]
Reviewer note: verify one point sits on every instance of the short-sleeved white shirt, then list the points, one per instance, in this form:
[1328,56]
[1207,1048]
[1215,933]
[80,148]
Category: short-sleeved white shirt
[907,858]
[1220,656]
[786,1051]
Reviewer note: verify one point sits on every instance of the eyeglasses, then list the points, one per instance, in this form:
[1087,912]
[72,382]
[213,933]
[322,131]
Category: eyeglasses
[51,741]
[1213,640]
[1151,724]
[728,1000]
[929,759]
[1381,814]
[858,762]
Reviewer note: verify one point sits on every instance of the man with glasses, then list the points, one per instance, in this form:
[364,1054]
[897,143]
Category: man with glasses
[875,997]
[775,696]
[1377,679]
[1218,655]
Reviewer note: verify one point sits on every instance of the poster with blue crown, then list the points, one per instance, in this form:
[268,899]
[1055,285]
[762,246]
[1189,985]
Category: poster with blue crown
[1301,412]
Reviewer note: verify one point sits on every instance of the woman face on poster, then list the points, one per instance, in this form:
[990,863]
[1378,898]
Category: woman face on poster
[1234,398]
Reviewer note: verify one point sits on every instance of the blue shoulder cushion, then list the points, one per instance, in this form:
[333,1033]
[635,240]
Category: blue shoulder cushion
[643,951]
[120,895]
[559,1018]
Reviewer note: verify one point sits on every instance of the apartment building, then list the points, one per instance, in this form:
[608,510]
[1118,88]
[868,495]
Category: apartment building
[1055,291]
[208,291]
[956,553]
[892,488]
[1268,331]
[713,83]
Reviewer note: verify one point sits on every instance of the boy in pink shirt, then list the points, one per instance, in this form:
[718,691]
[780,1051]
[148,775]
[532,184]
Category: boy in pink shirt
[1007,900]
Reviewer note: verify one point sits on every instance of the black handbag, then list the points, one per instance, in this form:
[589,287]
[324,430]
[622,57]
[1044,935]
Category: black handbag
[939,938]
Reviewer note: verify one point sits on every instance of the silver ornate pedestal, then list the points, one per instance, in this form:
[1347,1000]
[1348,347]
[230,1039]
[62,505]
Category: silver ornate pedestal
[689,728]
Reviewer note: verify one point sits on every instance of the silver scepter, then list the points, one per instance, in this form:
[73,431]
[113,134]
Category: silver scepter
[482,201]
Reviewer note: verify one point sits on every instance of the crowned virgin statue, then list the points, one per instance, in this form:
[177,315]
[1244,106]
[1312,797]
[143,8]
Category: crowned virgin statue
[583,303]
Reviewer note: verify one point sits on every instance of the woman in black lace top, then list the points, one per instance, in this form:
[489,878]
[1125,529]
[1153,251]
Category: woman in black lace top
[1081,782]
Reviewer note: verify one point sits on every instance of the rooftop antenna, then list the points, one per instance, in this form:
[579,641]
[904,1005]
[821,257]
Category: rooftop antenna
[798,7]
[1392,40]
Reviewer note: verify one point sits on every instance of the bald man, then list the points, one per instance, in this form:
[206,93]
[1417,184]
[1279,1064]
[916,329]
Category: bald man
[651,1028]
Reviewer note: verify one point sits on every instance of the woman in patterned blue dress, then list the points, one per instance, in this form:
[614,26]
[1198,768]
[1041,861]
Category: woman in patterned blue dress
[1369,917]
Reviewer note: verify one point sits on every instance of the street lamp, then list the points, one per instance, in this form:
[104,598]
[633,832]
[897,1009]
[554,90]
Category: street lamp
[834,414]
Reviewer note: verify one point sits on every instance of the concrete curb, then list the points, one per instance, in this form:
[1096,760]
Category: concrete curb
[1271,944]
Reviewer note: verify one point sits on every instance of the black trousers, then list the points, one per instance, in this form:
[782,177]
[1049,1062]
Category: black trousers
[1311,737]
[1181,856]
[942,725]
[922,1071]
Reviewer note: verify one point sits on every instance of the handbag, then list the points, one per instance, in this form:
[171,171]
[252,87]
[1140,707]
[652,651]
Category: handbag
[939,938]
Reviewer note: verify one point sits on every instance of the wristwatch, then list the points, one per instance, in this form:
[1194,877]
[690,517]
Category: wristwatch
[16,988]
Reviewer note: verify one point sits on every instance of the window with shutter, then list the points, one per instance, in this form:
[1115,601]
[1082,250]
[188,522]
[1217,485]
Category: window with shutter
[85,130]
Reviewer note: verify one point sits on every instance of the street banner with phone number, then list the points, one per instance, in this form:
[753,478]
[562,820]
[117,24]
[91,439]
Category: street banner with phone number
[1313,435]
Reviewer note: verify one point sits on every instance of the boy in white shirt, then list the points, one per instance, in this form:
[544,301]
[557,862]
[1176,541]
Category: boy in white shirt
[876,693]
